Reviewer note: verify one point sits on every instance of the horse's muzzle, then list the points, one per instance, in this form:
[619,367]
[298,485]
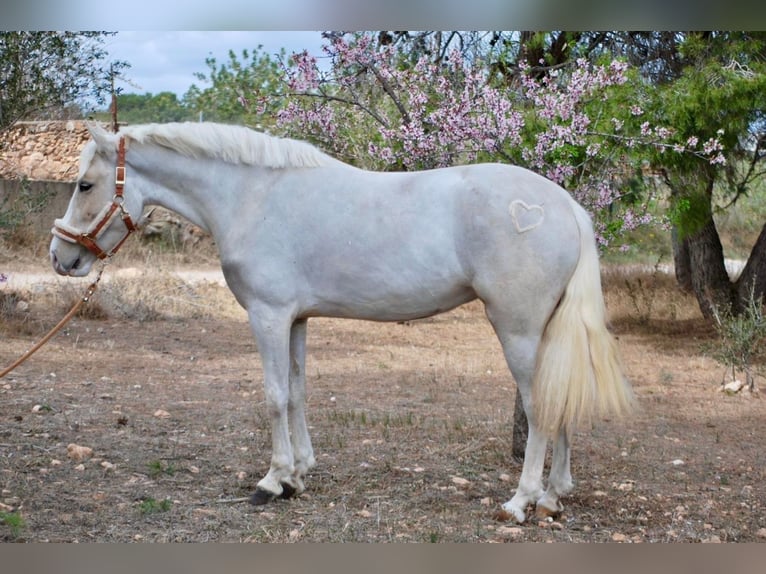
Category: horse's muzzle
[73,268]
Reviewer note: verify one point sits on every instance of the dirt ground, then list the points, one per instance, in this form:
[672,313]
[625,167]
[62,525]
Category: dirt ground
[411,425]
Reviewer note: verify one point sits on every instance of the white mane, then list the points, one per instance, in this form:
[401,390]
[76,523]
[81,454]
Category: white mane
[233,144]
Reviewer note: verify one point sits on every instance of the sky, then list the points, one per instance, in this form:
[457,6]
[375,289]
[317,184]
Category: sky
[167,61]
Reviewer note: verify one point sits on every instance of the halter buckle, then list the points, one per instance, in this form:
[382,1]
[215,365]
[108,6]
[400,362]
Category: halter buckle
[119,175]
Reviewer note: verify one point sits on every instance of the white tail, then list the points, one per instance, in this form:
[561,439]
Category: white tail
[578,372]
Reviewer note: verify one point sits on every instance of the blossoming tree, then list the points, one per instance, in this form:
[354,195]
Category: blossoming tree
[374,107]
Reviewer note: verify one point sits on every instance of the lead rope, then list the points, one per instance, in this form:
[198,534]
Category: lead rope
[72,312]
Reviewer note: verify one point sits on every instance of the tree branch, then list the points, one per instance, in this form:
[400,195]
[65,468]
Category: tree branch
[354,103]
[391,94]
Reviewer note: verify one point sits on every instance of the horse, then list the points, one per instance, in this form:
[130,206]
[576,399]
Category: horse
[301,234]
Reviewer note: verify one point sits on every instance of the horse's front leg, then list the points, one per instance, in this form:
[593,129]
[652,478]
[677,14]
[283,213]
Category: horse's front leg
[271,328]
[303,452]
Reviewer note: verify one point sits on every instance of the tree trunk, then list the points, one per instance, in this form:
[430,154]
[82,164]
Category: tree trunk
[520,429]
[710,280]
[681,261]
[752,280]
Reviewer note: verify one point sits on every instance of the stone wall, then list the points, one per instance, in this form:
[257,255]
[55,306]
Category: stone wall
[47,154]
[42,151]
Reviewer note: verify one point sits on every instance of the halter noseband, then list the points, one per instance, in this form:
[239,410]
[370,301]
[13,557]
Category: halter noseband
[89,238]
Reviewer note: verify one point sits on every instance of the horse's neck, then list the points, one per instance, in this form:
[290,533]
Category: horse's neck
[193,188]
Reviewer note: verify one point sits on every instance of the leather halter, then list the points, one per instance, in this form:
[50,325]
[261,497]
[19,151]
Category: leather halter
[89,238]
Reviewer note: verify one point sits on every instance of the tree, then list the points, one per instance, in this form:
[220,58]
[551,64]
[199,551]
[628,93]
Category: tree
[147,108]
[42,73]
[718,97]
[253,80]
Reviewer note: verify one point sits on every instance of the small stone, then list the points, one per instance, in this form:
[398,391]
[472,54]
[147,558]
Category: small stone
[733,387]
[761,533]
[619,537]
[78,453]
[505,477]
[161,414]
[459,481]
[364,513]
[107,466]
[487,501]
[677,462]
[714,539]
[509,531]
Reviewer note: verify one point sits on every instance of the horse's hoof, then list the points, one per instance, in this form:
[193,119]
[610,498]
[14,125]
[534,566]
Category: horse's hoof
[542,512]
[288,491]
[261,497]
[509,512]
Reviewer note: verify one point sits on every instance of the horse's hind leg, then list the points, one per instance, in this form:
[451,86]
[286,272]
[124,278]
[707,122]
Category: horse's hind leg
[520,353]
[303,452]
[559,479]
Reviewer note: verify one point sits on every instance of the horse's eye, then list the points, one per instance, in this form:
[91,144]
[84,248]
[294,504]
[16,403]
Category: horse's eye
[85,186]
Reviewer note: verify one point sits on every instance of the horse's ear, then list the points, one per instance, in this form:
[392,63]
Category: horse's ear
[103,138]
[93,126]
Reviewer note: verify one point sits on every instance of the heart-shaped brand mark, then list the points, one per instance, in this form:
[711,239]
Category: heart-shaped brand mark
[526,217]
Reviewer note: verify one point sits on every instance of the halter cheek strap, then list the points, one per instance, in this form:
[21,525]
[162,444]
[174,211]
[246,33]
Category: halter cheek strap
[89,238]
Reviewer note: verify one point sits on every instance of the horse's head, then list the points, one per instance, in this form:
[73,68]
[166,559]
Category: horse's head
[97,220]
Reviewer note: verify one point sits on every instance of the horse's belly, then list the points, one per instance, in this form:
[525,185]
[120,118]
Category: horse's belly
[391,306]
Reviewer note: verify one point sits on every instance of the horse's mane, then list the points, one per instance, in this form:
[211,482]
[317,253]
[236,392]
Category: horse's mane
[233,144]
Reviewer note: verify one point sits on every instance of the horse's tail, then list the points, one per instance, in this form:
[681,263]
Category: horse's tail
[578,372]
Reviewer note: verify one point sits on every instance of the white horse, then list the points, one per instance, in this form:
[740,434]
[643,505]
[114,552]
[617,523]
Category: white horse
[302,235]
